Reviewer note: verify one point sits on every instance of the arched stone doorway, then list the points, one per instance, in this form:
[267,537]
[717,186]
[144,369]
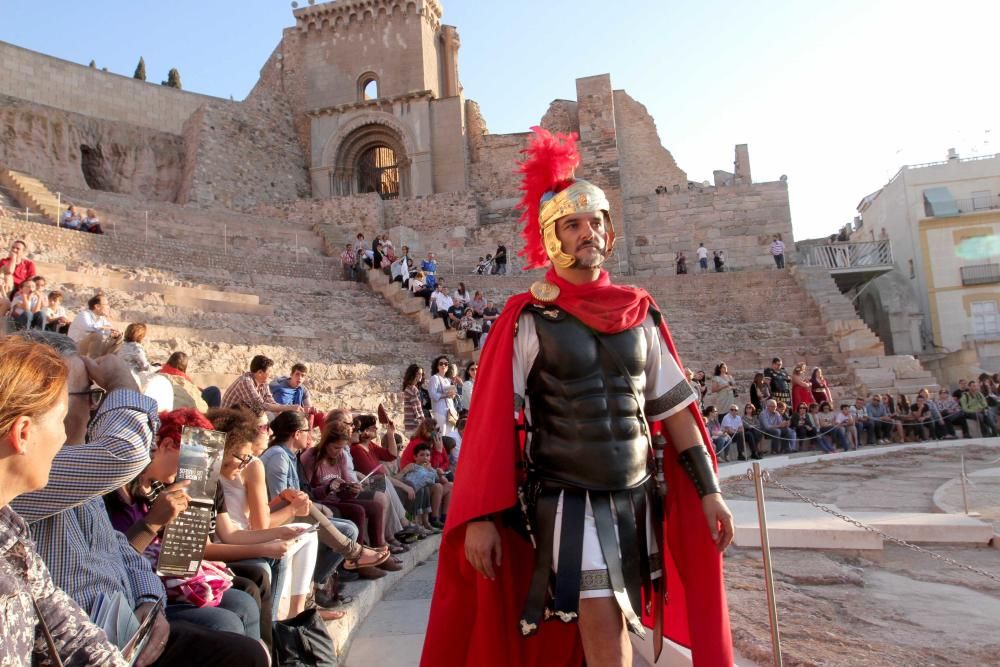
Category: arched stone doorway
[372,158]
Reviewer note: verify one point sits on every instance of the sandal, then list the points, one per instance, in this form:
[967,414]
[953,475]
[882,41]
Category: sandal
[400,549]
[377,557]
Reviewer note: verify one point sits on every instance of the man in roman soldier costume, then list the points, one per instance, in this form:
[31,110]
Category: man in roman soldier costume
[592,508]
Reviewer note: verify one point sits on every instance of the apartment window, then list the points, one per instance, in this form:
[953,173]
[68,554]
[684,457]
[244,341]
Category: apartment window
[985,318]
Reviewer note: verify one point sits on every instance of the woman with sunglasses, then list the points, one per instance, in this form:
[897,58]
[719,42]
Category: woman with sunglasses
[442,394]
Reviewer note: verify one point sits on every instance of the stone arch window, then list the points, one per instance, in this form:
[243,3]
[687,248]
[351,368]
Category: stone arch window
[372,158]
[367,87]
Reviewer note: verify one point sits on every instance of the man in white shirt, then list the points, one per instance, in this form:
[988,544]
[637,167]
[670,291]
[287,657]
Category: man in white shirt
[92,331]
[702,258]
[441,303]
[862,422]
[732,425]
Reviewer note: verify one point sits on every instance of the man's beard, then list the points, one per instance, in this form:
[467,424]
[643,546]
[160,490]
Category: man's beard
[591,261]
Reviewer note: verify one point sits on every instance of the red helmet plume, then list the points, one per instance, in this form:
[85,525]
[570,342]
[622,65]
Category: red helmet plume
[548,168]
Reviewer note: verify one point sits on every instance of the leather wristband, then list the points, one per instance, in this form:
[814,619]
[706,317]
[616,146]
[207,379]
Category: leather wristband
[697,464]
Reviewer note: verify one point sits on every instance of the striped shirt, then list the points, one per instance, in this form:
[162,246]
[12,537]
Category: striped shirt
[777,247]
[67,519]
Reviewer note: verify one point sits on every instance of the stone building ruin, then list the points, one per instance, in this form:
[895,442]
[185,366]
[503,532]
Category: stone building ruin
[360,110]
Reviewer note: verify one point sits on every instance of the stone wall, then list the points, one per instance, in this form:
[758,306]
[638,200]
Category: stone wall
[645,163]
[58,147]
[64,85]
[562,116]
[238,157]
[741,220]
[493,172]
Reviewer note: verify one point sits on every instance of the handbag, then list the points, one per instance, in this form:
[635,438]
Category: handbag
[303,642]
[202,589]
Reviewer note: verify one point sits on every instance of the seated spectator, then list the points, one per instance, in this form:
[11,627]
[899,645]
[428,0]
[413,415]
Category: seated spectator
[290,390]
[380,461]
[144,507]
[490,315]
[56,317]
[462,295]
[283,484]
[477,303]
[429,501]
[290,547]
[252,389]
[720,440]
[420,474]
[951,414]
[863,423]
[333,482]
[828,429]
[468,327]
[361,254]
[881,414]
[18,266]
[844,421]
[805,425]
[91,223]
[32,605]
[774,425]
[400,269]
[975,407]
[26,307]
[71,218]
[186,393]
[418,286]
[732,425]
[91,330]
[132,351]
[71,528]
[441,304]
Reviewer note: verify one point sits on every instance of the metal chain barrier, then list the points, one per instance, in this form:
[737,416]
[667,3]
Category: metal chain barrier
[768,479]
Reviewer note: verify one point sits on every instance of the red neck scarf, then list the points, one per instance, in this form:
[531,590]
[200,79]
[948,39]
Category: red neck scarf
[601,305]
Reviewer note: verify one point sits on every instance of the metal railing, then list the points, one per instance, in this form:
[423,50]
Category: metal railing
[981,274]
[975,204]
[850,255]
[984,337]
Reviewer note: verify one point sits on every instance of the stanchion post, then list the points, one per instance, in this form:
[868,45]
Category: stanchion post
[965,493]
[765,548]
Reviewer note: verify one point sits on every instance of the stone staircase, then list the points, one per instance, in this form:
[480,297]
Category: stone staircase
[864,354]
[31,193]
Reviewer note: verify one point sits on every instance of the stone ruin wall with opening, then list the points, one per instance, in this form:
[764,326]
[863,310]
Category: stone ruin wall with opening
[143,139]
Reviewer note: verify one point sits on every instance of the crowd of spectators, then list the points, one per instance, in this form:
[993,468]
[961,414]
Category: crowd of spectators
[798,412]
[308,498]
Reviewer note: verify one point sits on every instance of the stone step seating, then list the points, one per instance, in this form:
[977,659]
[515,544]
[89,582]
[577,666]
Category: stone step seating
[201,298]
[126,215]
[190,260]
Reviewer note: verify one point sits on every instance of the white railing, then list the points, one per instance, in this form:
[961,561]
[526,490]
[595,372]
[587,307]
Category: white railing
[850,255]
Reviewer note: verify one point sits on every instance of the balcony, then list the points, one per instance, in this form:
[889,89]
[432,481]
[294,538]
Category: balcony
[981,274]
[851,264]
[939,203]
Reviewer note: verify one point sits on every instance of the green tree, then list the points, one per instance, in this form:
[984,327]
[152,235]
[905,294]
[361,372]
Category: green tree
[173,79]
[140,70]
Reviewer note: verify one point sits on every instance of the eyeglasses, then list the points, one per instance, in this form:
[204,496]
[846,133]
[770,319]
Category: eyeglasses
[244,460]
[734,409]
[442,363]
[96,394]
[303,430]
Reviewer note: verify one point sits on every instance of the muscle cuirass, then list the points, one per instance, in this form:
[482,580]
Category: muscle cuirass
[586,428]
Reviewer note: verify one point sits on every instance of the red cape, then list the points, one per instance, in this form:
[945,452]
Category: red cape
[473,621]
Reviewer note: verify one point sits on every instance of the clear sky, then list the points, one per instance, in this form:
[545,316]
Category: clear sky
[837,95]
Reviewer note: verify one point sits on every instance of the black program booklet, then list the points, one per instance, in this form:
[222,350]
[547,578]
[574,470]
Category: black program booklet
[183,543]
